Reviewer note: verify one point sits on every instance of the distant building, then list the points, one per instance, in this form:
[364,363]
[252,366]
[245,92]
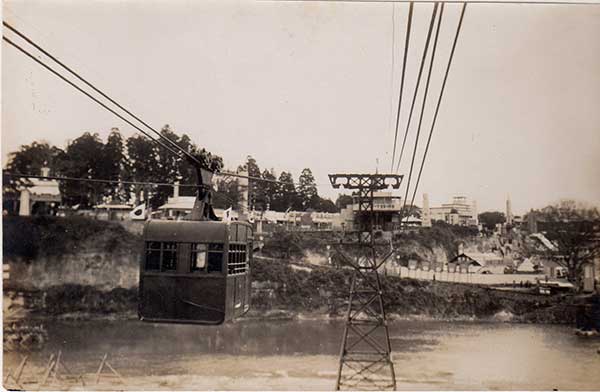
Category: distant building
[553,270]
[42,198]
[591,276]
[526,266]
[386,209]
[464,263]
[478,262]
[458,212]
[178,207]
[113,211]
[544,242]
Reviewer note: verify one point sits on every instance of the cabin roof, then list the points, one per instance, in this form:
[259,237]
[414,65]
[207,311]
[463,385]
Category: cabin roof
[190,231]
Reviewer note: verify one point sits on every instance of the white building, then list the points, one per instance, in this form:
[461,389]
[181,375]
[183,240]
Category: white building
[458,212]
[177,207]
[180,206]
[386,208]
[42,198]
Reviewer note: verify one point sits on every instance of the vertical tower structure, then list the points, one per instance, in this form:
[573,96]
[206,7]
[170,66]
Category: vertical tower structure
[243,188]
[509,215]
[426,213]
[365,354]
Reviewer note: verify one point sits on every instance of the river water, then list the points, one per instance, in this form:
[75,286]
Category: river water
[303,354]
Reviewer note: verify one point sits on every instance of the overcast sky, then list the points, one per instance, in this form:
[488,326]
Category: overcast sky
[299,84]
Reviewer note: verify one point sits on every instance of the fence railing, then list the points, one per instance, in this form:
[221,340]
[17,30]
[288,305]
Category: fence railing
[463,277]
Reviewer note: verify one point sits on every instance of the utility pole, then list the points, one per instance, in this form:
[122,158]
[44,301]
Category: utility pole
[365,353]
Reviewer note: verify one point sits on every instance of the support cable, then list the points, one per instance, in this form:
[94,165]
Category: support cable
[94,180]
[158,141]
[406,44]
[88,94]
[509,2]
[427,82]
[393,64]
[28,40]
[412,106]
[462,14]
[60,178]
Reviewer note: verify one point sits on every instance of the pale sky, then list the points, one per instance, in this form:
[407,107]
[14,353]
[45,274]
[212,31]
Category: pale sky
[299,84]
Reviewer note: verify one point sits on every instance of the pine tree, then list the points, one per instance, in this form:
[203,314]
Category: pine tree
[307,189]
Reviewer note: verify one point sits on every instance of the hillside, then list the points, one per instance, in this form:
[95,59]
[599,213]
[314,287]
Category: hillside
[324,290]
[438,243]
[47,251]
[84,267]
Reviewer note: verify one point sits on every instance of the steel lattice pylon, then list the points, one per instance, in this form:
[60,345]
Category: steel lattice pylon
[365,354]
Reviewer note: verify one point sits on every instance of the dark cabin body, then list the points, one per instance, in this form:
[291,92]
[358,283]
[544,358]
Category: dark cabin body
[195,271]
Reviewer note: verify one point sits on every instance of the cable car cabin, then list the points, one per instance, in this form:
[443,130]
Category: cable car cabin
[195,271]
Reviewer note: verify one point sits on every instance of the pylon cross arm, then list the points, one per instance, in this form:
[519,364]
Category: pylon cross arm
[368,181]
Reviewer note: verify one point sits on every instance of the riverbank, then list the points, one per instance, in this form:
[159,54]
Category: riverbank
[324,290]
[82,269]
[321,293]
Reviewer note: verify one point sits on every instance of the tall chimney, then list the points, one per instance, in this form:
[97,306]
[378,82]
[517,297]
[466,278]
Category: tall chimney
[243,209]
[426,214]
[509,216]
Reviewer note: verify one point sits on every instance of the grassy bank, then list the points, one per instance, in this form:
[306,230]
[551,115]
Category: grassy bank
[325,290]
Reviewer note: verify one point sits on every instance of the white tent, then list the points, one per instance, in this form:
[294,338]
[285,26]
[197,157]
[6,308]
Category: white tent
[526,266]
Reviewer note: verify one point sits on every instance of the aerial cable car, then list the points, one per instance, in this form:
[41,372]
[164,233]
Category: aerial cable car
[196,270]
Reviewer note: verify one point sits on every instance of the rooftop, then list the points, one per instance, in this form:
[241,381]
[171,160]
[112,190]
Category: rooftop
[43,187]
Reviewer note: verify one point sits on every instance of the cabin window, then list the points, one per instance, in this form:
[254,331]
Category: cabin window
[153,250]
[237,259]
[169,256]
[206,257]
[215,257]
[198,257]
[161,256]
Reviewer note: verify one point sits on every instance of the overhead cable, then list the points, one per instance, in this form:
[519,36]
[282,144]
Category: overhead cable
[38,47]
[94,180]
[406,43]
[530,2]
[437,108]
[431,63]
[87,94]
[103,105]
[412,105]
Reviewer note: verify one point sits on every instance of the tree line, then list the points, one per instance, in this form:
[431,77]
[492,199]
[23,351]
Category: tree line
[139,159]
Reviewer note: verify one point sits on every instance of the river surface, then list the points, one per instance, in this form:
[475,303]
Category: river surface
[303,354]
